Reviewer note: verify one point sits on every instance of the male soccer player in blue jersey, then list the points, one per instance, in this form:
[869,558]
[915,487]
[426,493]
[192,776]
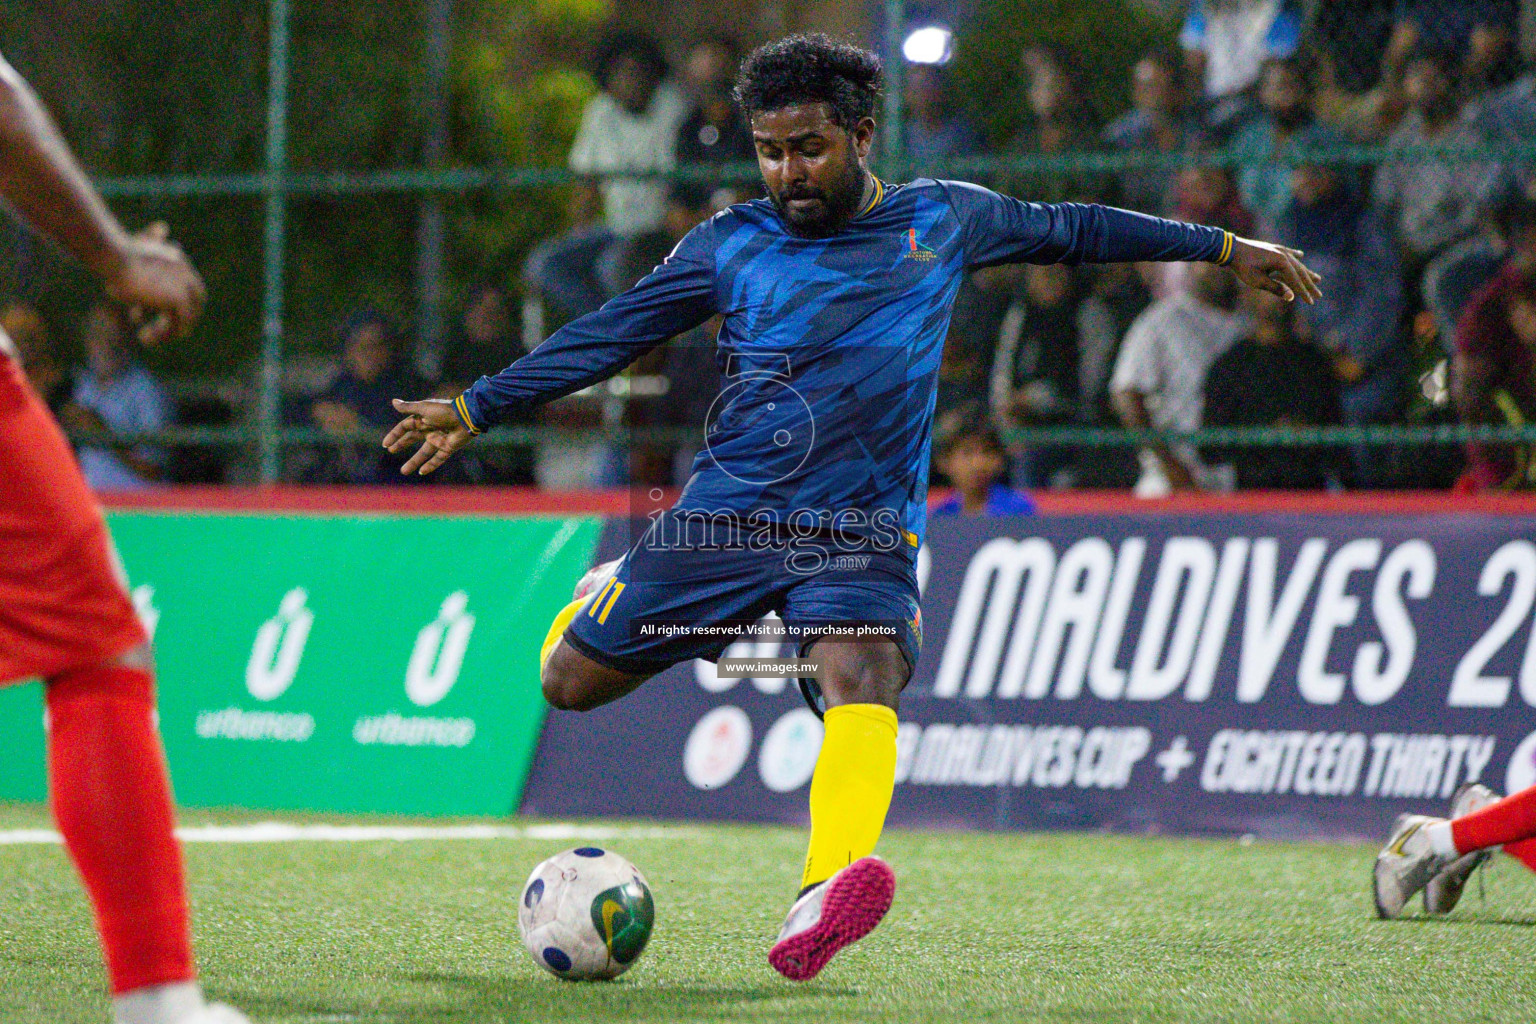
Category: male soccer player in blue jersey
[809,497]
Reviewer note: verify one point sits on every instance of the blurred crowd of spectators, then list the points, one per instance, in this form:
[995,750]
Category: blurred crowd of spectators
[1428,314]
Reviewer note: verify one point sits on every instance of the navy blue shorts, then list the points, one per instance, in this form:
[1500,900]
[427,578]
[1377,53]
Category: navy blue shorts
[648,617]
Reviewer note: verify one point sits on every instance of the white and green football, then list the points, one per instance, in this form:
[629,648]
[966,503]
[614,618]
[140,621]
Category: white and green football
[586,914]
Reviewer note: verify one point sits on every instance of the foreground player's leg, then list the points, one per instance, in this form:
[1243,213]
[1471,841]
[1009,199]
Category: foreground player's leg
[1444,890]
[112,800]
[846,891]
[1422,848]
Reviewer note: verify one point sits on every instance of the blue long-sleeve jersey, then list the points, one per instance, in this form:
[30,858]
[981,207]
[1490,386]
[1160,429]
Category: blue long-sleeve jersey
[830,347]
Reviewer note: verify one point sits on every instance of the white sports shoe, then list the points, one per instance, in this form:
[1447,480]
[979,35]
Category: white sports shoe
[1444,890]
[595,578]
[218,1013]
[175,1003]
[1405,865]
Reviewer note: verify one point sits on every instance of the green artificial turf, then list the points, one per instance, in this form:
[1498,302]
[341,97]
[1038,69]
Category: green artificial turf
[1000,927]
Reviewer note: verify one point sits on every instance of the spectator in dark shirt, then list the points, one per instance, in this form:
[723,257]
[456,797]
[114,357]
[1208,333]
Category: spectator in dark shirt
[1052,324]
[1285,123]
[1493,373]
[1480,34]
[1433,204]
[714,133]
[1160,121]
[485,341]
[688,205]
[372,374]
[934,130]
[1272,379]
[1059,123]
[974,460]
[1358,320]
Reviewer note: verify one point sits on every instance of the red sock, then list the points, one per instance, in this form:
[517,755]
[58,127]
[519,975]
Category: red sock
[112,800]
[1507,821]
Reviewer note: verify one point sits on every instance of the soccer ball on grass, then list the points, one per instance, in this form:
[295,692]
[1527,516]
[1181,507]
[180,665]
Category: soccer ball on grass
[586,914]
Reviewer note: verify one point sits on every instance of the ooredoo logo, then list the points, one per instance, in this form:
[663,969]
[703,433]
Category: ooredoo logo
[1521,773]
[717,747]
[790,749]
[279,647]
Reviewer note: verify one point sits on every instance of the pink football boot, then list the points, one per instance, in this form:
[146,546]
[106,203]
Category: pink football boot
[838,912]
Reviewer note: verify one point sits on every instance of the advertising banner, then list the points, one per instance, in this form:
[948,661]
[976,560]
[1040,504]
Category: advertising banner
[1278,674]
[339,663]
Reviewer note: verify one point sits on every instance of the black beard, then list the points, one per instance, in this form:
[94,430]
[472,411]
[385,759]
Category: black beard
[838,206]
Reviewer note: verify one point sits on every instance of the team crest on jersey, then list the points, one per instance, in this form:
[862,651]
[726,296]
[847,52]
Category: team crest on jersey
[915,250]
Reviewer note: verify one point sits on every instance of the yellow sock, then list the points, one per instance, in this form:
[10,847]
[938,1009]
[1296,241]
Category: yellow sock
[557,628]
[851,790]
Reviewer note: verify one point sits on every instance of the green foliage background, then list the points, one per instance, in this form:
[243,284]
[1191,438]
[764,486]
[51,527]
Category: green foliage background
[179,87]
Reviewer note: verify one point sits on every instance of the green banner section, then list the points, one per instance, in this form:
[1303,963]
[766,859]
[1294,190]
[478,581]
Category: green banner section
[339,663]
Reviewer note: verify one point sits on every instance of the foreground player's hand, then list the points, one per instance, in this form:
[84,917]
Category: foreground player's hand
[1274,268]
[155,280]
[435,426]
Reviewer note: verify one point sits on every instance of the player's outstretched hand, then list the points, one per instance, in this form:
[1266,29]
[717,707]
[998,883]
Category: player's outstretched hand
[1274,268]
[155,280]
[435,426]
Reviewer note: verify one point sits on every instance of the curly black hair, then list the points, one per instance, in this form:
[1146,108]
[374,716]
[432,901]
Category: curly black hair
[811,69]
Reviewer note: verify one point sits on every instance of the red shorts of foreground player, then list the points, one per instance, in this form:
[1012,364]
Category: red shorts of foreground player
[62,601]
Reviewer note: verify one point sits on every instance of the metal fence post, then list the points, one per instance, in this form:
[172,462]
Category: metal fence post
[272,255]
[895,83]
[430,226]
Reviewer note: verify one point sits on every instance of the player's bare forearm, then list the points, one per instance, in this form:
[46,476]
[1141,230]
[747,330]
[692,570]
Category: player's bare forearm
[40,177]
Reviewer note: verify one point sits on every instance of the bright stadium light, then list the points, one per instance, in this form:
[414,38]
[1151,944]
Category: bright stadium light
[931,44]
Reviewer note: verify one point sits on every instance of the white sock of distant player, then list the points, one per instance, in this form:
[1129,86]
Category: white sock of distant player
[158,1004]
[1440,840]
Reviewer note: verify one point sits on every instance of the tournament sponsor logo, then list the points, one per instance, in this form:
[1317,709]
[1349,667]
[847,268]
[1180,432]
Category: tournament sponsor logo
[790,748]
[1044,756]
[239,724]
[1338,764]
[717,747]
[392,730]
[1029,623]
[439,652]
[1521,773]
[279,647]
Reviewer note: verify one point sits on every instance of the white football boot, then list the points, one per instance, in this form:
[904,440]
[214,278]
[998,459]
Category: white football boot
[595,578]
[178,1003]
[1405,865]
[1444,890]
[836,913]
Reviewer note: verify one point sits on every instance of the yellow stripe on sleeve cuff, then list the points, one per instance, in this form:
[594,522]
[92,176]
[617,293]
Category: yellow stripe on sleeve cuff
[1226,248]
[462,408]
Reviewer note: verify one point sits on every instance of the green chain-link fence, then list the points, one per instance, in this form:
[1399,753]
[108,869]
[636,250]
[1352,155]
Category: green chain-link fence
[277,187]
